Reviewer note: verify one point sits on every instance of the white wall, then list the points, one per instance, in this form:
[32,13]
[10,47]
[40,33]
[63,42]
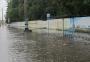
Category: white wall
[55,23]
[51,24]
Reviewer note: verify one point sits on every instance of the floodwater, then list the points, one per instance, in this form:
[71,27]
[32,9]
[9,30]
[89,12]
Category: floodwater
[19,46]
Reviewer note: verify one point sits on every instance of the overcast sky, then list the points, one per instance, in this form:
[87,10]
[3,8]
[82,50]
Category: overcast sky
[3,4]
[83,22]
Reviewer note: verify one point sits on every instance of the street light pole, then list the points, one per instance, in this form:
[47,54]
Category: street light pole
[26,16]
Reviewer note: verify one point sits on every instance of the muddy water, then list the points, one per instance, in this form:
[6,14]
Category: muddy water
[17,46]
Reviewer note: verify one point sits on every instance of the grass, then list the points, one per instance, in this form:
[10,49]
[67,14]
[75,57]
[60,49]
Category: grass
[82,30]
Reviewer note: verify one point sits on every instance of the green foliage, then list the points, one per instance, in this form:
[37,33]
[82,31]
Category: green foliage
[37,9]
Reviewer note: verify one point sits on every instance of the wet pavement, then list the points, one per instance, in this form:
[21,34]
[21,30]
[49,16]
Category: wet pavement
[19,46]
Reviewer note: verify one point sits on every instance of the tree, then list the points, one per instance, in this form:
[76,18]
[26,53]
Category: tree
[37,9]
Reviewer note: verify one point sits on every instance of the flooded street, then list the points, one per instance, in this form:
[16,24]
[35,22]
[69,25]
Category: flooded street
[3,44]
[19,46]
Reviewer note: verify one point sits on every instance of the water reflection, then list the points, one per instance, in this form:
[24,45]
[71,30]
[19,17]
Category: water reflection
[39,47]
[3,44]
[17,46]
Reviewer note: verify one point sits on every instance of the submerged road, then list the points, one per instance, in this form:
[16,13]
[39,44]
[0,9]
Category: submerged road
[17,46]
[3,44]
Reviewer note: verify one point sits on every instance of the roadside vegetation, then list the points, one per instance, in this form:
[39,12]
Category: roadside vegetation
[37,9]
[82,30]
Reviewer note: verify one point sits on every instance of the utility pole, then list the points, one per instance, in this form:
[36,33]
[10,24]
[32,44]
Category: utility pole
[2,15]
[26,15]
[8,18]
